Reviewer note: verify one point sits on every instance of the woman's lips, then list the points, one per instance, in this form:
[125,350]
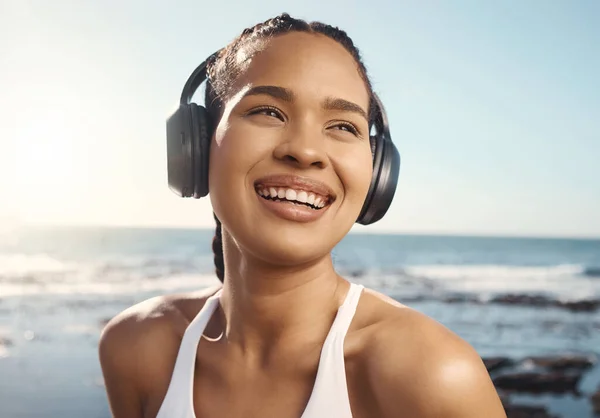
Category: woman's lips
[294,198]
[292,211]
[297,184]
[315,201]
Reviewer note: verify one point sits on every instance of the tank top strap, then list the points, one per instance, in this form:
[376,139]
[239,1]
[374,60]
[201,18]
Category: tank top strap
[178,398]
[196,327]
[330,391]
[347,310]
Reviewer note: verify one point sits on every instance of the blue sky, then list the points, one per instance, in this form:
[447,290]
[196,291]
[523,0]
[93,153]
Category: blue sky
[495,107]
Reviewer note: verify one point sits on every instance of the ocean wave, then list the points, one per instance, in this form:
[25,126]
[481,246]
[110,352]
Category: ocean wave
[31,274]
[22,274]
[494,272]
[170,284]
[566,281]
[26,265]
[33,266]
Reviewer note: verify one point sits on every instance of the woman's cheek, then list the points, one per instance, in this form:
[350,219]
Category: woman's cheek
[245,145]
[355,169]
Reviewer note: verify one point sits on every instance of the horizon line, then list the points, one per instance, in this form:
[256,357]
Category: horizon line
[423,233]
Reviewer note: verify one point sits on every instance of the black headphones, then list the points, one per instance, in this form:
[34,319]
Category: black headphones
[189,132]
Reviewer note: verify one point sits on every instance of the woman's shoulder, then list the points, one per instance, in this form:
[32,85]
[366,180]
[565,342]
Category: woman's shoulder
[138,347]
[414,363]
[156,317]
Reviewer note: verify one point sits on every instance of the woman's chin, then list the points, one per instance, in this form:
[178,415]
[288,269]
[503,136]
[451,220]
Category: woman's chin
[289,249]
[283,242]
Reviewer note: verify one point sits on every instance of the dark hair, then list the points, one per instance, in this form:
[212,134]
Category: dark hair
[228,64]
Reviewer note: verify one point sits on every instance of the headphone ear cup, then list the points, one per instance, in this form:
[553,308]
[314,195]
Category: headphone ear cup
[386,169]
[202,133]
[188,142]
[180,151]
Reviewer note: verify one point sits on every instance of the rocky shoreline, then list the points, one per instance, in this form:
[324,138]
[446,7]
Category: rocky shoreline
[534,301]
[540,375]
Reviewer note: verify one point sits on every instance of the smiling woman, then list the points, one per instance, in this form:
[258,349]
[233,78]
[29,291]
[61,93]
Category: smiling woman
[285,150]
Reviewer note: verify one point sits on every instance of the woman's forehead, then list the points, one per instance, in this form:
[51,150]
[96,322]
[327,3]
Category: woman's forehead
[306,62]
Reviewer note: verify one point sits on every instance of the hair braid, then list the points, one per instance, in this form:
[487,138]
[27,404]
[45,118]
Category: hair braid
[217,247]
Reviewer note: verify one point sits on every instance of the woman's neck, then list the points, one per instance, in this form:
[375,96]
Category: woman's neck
[268,308]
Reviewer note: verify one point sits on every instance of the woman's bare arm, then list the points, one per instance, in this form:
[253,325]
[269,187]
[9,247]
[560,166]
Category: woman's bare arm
[117,350]
[137,352]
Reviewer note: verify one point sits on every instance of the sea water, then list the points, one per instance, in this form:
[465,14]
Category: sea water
[58,286]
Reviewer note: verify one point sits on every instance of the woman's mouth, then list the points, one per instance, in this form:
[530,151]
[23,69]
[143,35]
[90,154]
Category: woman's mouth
[296,196]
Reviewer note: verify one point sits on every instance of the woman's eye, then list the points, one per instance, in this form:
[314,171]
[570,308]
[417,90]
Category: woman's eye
[267,111]
[347,127]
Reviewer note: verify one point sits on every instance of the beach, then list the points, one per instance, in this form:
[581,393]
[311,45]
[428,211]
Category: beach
[530,307]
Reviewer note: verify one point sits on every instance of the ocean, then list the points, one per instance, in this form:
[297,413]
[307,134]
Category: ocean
[512,297]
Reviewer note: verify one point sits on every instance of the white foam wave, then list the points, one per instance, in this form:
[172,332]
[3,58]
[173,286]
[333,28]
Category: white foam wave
[20,265]
[170,284]
[483,272]
[36,274]
[565,281]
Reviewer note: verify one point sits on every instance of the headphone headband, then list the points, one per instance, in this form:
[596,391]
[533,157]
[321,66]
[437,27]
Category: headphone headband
[195,79]
[381,120]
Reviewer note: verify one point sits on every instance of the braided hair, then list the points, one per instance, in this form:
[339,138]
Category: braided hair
[226,66]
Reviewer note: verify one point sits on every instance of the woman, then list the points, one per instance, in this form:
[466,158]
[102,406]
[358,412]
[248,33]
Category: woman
[286,336]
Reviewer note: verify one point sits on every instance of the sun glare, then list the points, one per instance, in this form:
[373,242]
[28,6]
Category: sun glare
[47,167]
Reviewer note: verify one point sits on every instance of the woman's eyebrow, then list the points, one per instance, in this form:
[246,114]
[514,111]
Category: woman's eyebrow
[334,103]
[330,103]
[275,91]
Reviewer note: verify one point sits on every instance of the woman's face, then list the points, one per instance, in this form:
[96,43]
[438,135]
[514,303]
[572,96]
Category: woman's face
[290,161]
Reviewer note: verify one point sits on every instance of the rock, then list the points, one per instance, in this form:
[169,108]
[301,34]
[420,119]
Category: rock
[496,363]
[527,411]
[523,411]
[458,298]
[504,398]
[586,305]
[592,272]
[567,362]
[411,299]
[538,382]
[590,305]
[595,400]
[6,342]
[529,300]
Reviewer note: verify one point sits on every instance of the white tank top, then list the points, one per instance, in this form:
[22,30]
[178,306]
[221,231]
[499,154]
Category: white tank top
[329,396]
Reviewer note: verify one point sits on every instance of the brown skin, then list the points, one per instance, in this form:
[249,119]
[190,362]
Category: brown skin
[281,291]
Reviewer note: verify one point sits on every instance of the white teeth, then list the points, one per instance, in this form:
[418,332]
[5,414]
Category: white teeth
[290,194]
[302,196]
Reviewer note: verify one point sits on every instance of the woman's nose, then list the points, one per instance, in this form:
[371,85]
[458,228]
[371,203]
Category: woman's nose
[303,148]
